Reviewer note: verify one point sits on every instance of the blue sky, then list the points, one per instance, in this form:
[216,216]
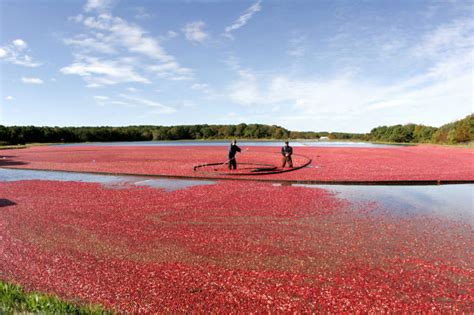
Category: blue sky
[304,65]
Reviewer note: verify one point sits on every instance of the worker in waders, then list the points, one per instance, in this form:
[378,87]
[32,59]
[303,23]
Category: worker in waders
[232,152]
[287,151]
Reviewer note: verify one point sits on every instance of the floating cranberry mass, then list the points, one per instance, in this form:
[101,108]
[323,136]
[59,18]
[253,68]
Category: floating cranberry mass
[233,246]
[408,163]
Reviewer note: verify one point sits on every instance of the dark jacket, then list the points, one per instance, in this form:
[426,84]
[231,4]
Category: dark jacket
[233,150]
[286,150]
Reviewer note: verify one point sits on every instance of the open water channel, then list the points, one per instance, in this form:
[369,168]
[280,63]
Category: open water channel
[443,201]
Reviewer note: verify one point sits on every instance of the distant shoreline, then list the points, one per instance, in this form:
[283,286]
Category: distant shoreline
[28,145]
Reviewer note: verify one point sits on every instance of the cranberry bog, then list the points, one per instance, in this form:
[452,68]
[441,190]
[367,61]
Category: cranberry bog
[266,243]
[405,165]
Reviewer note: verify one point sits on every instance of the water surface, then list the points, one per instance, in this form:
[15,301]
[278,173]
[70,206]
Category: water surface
[343,144]
[444,201]
[109,181]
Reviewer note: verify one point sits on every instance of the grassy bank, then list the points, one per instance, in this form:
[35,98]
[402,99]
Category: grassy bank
[14,300]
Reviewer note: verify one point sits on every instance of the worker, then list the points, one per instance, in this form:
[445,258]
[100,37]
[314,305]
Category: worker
[232,152]
[287,151]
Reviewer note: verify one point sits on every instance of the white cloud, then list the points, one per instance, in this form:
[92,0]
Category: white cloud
[309,96]
[142,13]
[15,53]
[171,34]
[97,72]
[208,91]
[141,53]
[194,32]
[390,103]
[25,60]
[116,31]
[90,43]
[77,18]
[432,98]
[297,44]
[97,5]
[101,98]
[391,46]
[442,92]
[243,19]
[172,70]
[447,39]
[31,80]
[126,100]
[158,108]
[9,98]
[19,43]
[199,86]
[186,104]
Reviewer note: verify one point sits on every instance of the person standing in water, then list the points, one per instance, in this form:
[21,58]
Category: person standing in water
[287,151]
[232,152]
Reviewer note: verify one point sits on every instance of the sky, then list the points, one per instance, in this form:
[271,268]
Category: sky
[314,65]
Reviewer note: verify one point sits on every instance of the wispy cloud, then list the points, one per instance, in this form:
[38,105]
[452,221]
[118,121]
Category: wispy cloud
[115,31]
[107,101]
[9,98]
[171,70]
[90,44]
[171,34]
[17,53]
[206,89]
[142,13]
[453,38]
[243,19]
[126,100]
[97,5]
[158,108]
[200,86]
[36,81]
[98,72]
[445,81]
[101,98]
[114,51]
[297,45]
[194,32]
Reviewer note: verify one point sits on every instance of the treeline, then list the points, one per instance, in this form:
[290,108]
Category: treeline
[456,132]
[32,134]
[330,135]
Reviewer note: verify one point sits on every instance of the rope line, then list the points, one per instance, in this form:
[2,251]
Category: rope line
[260,169]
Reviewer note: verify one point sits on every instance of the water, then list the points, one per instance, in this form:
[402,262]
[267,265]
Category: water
[446,201]
[346,144]
[109,181]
